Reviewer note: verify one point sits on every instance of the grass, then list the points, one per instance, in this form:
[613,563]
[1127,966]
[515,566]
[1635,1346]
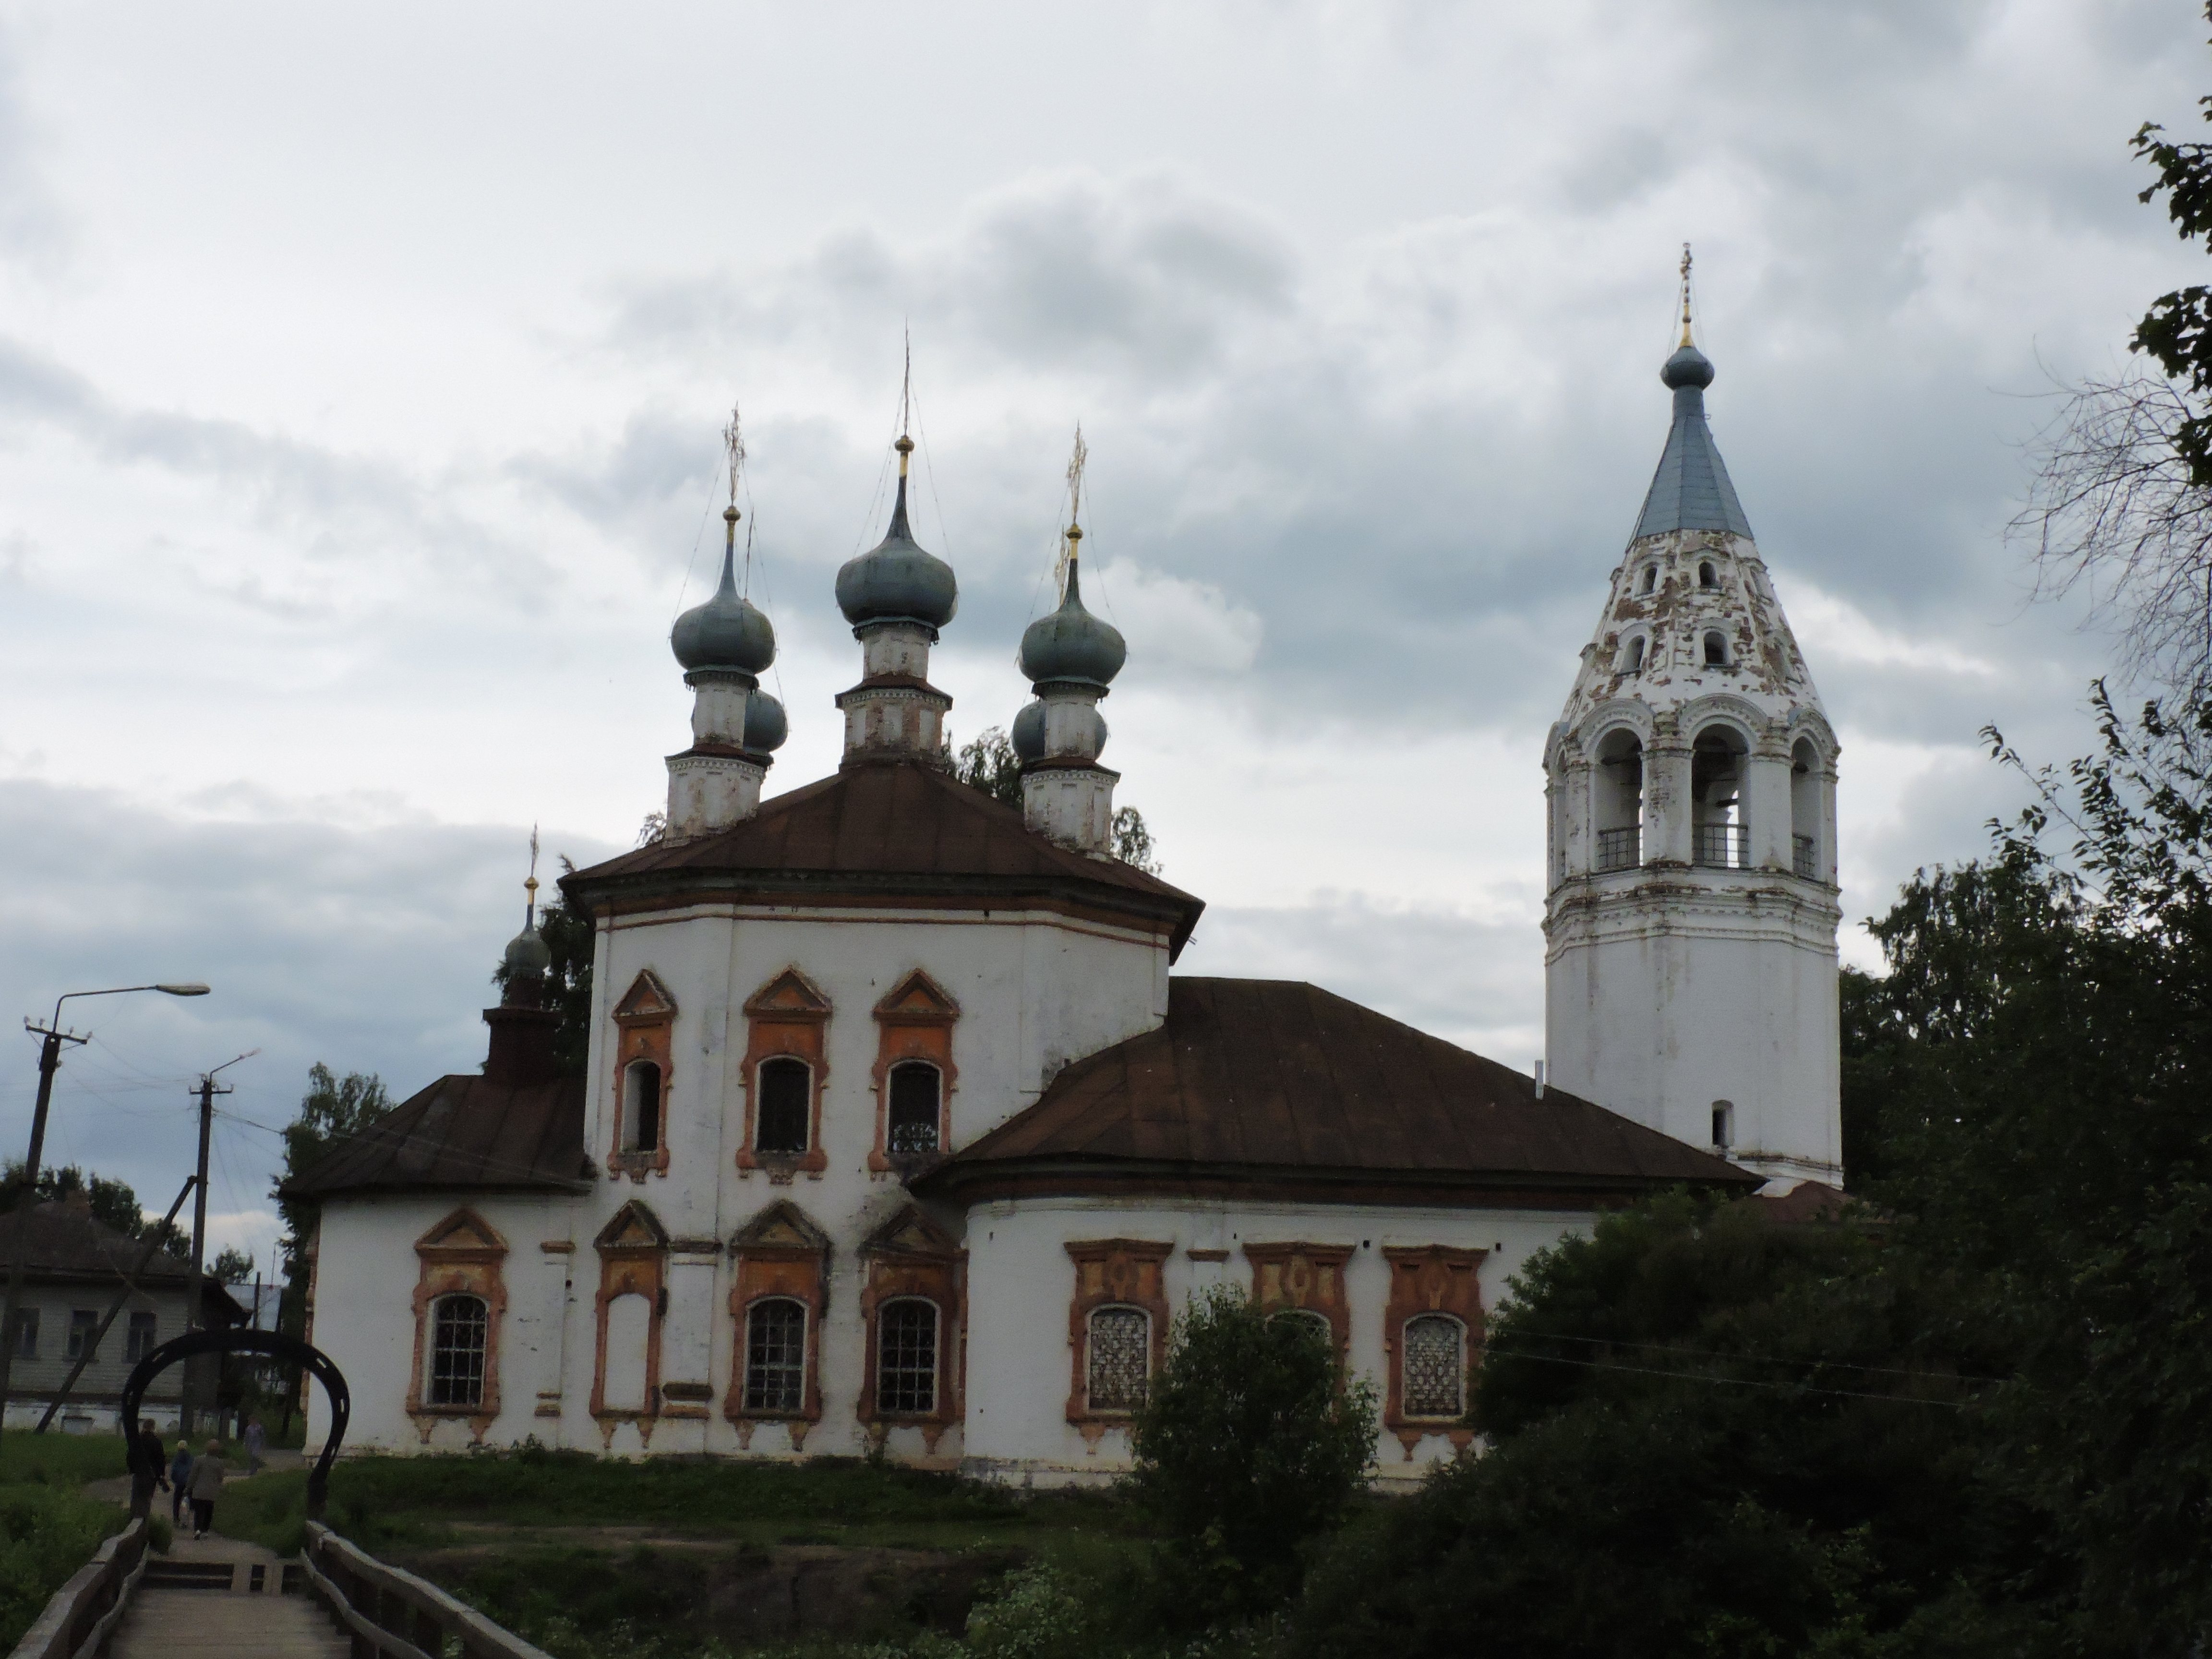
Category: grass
[48,1528]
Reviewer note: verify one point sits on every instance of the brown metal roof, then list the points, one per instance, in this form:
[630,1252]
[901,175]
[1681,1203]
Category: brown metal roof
[883,828]
[462,1131]
[1276,1080]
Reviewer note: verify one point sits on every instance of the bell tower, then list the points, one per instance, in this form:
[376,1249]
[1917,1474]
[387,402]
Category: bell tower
[1691,909]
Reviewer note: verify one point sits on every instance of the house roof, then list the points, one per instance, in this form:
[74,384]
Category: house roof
[1261,1083]
[465,1131]
[67,1242]
[880,829]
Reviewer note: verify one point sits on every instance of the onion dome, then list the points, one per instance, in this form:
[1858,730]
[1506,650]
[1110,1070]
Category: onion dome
[528,953]
[897,579]
[765,724]
[1029,734]
[727,632]
[1071,644]
[1688,367]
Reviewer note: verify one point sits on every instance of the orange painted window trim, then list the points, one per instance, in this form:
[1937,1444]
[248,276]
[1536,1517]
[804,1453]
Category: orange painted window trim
[787,1018]
[913,1022]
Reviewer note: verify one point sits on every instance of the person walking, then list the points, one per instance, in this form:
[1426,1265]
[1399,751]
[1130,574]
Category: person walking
[147,1471]
[179,1482]
[207,1486]
[255,1440]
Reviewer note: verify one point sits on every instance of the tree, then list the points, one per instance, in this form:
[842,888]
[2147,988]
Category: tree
[112,1201]
[2122,497]
[331,1110]
[571,935]
[989,762]
[1708,1434]
[1250,1444]
[232,1266]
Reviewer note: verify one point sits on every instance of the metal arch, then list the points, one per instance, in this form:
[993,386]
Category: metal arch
[274,1344]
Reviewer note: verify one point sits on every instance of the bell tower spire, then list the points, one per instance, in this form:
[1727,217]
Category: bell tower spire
[1691,916]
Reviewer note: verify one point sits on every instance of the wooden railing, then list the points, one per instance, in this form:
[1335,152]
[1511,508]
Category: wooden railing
[388,1611]
[84,1611]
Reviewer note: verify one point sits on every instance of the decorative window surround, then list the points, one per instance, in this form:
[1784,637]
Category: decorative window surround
[1435,1279]
[633,1250]
[914,1022]
[910,1255]
[1112,1273]
[462,1256]
[787,1016]
[779,1253]
[1309,1278]
[647,1019]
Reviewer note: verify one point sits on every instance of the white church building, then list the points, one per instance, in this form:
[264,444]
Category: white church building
[899,1131]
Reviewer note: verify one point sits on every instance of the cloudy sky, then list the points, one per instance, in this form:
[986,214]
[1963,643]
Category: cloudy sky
[361,369]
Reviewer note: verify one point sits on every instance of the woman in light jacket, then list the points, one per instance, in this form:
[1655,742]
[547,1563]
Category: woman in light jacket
[207,1486]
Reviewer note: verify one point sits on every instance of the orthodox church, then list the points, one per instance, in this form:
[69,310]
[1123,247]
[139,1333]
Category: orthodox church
[899,1132]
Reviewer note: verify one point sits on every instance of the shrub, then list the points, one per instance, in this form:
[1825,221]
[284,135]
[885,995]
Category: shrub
[1251,1444]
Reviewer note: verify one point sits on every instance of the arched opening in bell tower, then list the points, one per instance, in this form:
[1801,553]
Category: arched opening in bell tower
[1719,827]
[1617,786]
[1805,810]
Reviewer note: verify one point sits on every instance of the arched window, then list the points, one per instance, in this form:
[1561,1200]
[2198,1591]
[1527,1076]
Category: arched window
[1121,1359]
[1617,786]
[1303,1319]
[1723,1125]
[916,1091]
[1432,1380]
[1631,655]
[1715,649]
[776,1356]
[460,1327]
[906,1357]
[1650,577]
[641,1107]
[1707,576]
[1805,810]
[1719,827]
[787,1088]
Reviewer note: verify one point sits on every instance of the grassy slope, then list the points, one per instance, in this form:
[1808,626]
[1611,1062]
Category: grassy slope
[48,1529]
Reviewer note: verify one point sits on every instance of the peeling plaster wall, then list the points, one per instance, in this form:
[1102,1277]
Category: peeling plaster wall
[1019,1343]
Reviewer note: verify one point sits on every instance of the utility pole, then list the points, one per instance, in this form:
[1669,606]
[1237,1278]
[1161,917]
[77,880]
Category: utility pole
[52,1037]
[195,1367]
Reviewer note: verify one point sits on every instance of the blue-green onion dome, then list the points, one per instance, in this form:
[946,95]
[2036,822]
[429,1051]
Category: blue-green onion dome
[897,579]
[765,724]
[727,631]
[1028,732]
[1072,644]
[528,953]
[1688,366]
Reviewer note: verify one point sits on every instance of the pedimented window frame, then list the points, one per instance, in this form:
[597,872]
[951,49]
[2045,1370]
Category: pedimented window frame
[1113,1273]
[633,1250]
[915,1021]
[910,1256]
[787,1017]
[780,1254]
[463,1256]
[1306,1278]
[1431,1279]
[645,1024]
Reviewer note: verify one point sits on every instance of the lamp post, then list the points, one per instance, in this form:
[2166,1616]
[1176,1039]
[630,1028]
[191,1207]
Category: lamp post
[50,1061]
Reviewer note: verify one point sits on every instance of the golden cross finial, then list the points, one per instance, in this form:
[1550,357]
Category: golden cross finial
[733,442]
[905,445]
[1071,538]
[530,885]
[1686,293]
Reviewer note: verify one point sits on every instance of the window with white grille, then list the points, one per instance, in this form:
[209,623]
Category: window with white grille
[776,1356]
[1121,1359]
[460,1327]
[906,1359]
[1434,1377]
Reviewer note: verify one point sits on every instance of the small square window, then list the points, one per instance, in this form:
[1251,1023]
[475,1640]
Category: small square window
[144,1337]
[83,1321]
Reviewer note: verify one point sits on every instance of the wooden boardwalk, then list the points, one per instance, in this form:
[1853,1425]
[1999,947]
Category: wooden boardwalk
[241,1622]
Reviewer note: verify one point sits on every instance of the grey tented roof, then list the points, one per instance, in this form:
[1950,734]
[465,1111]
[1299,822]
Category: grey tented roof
[1690,490]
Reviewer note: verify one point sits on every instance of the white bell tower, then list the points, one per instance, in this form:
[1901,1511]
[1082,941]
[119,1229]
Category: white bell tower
[1690,973]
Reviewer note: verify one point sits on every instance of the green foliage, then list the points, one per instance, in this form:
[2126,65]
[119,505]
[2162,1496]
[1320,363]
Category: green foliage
[113,1202]
[1709,1434]
[331,1110]
[1038,1615]
[569,933]
[45,1535]
[231,1265]
[1250,1445]
[989,762]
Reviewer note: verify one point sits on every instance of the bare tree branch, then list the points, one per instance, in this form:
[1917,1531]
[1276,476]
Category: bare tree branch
[2112,510]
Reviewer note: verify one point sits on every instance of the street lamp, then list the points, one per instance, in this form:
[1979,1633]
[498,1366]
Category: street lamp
[50,1061]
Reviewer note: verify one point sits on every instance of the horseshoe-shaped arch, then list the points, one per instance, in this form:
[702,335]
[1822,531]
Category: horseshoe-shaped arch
[276,1346]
